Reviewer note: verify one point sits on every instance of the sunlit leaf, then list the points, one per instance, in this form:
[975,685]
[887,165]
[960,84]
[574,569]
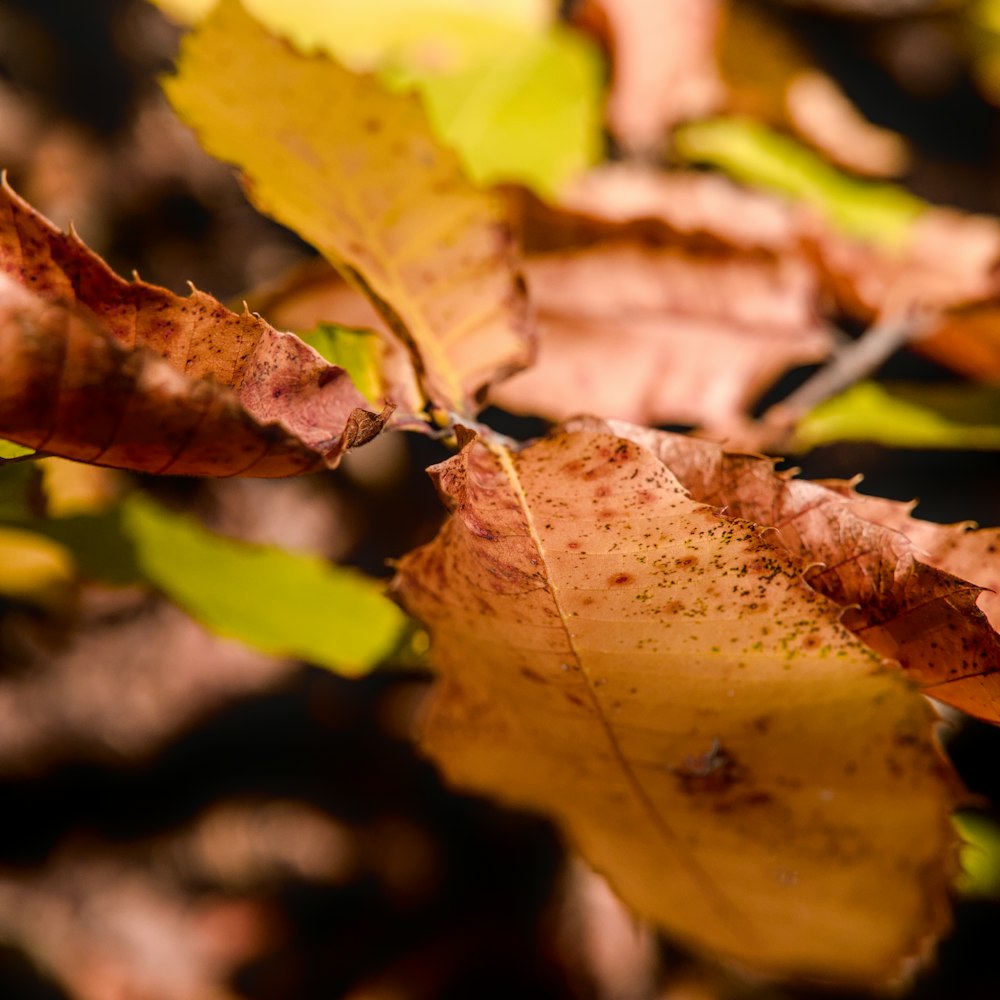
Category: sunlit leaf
[906,417]
[922,614]
[10,450]
[529,113]
[756,154]
[282,603]
[357,171]
[356,351]
[659,678]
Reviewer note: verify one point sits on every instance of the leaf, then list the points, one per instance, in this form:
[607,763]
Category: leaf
[754,153]
[35,569]
[980,855]
[356,351]
[918,613]
[282,603]
[905,417]
[659,678]
[429,34]
[528,114]
[129,375]
[663,64]
[637,332]
[957,549]
[9,450]
[361,176]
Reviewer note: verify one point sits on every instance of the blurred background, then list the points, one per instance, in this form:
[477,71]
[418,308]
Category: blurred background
[184,817]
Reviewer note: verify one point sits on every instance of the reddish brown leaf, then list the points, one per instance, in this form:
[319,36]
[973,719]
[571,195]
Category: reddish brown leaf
[130,375]
[904,603]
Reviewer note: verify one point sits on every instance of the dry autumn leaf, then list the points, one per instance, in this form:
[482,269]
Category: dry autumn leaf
[129,375]
[904,583]
[663,335]
[659,678]
[663,63]
[357,171]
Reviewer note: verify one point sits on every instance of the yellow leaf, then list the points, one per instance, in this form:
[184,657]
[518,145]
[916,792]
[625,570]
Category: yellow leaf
[356,170]
[659,678]
[35,569]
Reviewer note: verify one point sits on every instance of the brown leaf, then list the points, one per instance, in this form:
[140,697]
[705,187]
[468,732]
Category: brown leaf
[903,602]
[129,375]
[659,678]
[663,335]
[663,63]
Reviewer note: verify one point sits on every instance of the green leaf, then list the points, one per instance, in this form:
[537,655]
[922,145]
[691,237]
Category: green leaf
[979,856]
[758,155]
[10,450]
[358,352]
[283,603]
[903,416]
[530,113]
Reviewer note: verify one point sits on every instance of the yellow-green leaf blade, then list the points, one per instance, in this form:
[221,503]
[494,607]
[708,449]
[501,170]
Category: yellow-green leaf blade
[660,680]
[283,603]
[756,154]
[357,172]
[906,417]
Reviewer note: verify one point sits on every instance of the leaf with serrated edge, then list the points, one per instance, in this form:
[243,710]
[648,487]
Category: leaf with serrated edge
[126,374]
[658,678]
[357,172]
[907,606]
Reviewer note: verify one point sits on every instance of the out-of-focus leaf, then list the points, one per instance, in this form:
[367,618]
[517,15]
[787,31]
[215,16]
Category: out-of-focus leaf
[357,351]
[432,35]
[664,335]
[129,375]
[357,171]
[924,614]
[758,155]
[282,603]
[979,856]
[72,488]
[100,547]
[906,417]
[660,678]
[10,450]
[771,77]
[663,55]
[528,114]
[35,569]
[15,482]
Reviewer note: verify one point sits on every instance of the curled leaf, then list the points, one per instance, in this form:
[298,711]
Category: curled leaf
[659,678]
[126,374]
[895,598]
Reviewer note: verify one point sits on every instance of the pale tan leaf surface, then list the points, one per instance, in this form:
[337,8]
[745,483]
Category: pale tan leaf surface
[127,374]
[663,335]
[663,55]
[913,599]
[357,172]
[659,678]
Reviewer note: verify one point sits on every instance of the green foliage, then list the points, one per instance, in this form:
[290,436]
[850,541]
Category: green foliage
[283,603]
[904,416]
[356,351]
[980,855]
[754,153]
